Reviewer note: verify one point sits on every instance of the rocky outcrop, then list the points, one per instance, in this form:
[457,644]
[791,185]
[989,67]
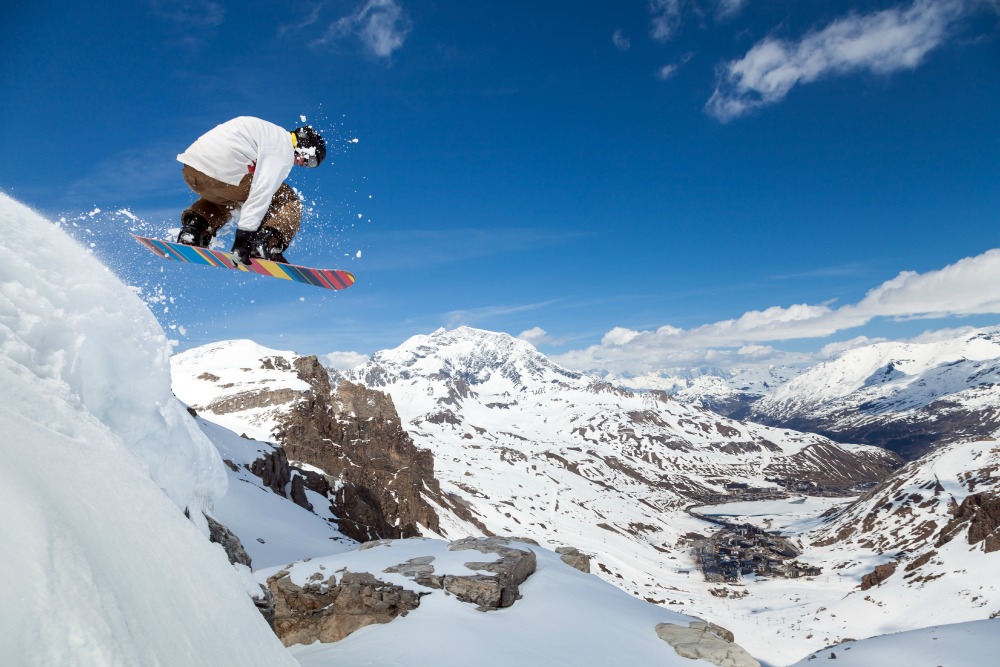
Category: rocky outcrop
[574,558]
[355,436]
[488,592]
[327,610]
[878,575]
[500,588]
[279,476]
[237,554]
[228,540]
[980,513]
[273,470]
[705,641]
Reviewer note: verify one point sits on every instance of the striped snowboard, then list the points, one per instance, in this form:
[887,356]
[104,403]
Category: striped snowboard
[326,278]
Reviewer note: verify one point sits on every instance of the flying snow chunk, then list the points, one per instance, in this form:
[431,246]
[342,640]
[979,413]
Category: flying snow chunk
[358,254]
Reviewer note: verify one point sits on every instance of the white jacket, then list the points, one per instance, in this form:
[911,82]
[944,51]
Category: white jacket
[228,151]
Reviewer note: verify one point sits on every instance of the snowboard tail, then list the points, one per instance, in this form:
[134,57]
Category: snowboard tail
[332,279]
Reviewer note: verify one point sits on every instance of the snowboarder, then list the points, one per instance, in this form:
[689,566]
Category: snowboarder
[242,164]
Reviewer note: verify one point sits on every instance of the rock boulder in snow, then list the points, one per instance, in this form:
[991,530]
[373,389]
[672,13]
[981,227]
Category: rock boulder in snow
[327,610]
[705,641]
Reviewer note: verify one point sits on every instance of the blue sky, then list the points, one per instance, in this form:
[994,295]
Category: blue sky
[628,184]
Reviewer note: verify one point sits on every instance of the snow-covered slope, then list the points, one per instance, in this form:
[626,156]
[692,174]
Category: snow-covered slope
[921,549]
[487,398]
[564,617]
[934,526]
[100,565]
[729,392]
[906,396]
[972,644]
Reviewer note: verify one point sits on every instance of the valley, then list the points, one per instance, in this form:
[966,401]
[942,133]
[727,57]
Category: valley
[512,445]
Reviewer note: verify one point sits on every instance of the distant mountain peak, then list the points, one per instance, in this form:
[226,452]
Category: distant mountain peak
[474,356]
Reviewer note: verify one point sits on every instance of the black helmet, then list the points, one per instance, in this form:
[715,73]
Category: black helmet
[310,145]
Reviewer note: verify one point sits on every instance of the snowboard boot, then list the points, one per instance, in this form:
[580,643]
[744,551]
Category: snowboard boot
[269,244]
[194,230]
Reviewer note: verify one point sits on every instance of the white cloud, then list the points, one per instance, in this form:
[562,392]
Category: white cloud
[621,42]
[727,9]
[666,18]
[380,25]
[666,72]
[539,336]
[882,42]
[968,287]
[343,361]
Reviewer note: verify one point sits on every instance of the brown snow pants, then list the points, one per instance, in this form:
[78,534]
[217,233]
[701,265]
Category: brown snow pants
[219,200]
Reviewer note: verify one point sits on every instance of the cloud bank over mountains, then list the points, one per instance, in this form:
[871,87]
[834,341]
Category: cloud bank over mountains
[970,286]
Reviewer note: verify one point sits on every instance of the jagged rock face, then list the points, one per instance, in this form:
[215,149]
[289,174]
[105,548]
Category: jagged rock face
[370,467]
[326,610]
[500,588]
[980,515]
[354,435]
[228,540]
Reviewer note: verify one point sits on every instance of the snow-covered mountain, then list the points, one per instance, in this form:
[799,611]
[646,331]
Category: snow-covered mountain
[934,528]
[729,392]
[107,481]
[539,452]
[921,549]
[102,466]
[488,396]
[533,450]
[907,397]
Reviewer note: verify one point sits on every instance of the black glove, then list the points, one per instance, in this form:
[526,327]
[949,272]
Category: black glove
[241,246]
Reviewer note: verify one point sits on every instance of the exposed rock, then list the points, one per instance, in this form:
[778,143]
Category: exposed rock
[273,470]
[501,588]
[298,493]
[981,513]
[252,400]
[354,434]
[878,575]
[488,592]
[574,558]
[705,641]
[265,605]
[227,539]
[221,535]
[413,568]
[327,611]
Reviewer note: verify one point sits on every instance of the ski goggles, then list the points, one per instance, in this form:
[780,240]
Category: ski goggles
[309,157]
